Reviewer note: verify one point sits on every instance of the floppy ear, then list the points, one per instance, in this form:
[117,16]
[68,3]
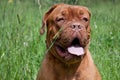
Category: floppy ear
[42,30]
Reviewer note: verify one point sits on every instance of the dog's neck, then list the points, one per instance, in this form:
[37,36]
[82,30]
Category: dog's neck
[68,69]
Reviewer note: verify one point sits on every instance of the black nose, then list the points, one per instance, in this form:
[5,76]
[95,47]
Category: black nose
[76,26]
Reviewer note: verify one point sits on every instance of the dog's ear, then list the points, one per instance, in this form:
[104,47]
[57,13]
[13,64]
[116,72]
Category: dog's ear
[42,30]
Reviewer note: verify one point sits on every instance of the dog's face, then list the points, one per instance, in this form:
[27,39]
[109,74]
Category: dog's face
[68,28]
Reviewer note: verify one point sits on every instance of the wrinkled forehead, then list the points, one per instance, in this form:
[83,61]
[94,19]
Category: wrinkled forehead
[71,10]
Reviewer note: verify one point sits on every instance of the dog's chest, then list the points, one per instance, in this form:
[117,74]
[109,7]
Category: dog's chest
[75,77]
[71,74]
[66,74]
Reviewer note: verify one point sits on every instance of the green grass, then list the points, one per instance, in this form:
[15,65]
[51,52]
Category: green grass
[22,48]
[105,40]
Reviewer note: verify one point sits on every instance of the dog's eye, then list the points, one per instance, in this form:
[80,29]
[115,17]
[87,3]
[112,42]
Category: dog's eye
[59,19]
[85,19]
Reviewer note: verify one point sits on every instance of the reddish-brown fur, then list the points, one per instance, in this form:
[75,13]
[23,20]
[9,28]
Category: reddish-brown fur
[60,67]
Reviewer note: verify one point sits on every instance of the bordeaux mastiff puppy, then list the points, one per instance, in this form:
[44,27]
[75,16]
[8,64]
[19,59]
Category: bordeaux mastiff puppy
[67,41]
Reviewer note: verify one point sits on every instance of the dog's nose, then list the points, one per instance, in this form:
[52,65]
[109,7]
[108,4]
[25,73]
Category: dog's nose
[76,26]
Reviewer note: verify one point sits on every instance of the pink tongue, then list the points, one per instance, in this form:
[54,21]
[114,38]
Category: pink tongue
[76,50]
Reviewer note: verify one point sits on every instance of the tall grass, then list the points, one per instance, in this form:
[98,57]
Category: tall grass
[105,40]
[22,48]
[20,43]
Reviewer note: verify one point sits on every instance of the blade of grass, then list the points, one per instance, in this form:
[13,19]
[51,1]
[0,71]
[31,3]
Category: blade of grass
[54,39]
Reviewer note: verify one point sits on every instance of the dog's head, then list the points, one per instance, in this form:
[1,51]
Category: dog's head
[68,31]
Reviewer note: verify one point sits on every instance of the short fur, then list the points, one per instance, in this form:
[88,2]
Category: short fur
[57,65]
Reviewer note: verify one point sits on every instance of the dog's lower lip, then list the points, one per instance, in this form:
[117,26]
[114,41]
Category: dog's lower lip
[62,52]
[65,53]
[61,48]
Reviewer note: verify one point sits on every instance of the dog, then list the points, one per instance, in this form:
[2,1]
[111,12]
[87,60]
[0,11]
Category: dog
[67,42]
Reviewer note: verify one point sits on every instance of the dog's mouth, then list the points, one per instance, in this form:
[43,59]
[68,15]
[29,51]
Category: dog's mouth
[74,49]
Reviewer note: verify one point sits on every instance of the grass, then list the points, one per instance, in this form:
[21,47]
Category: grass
[105,40]
[22,48]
